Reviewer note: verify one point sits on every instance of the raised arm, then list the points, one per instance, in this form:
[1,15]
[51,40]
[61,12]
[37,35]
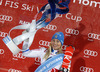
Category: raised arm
[32,53]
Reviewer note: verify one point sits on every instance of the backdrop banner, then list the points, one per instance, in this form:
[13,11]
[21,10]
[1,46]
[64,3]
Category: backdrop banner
[77,19]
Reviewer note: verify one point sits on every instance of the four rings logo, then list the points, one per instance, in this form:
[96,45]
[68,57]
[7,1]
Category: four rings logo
[90,53]
[64,47]
[1,51]
[5,18]
[50,27]
[86,69]
[94,36]
[37,60]
[19,55]
[13,70]
[3,34]
[44,43]
[72,31]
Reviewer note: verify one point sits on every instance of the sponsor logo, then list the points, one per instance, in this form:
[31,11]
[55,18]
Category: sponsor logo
[11,4]
[1,51]
[86,69]
[72,17]
[90,53]
[14,70]
[87,2]
[71,31]
[37,60]
[64,47]
[44,43]
[3,34]
[23,22]
[50,27]
[68,57]
[18,56]
[27,7]
[4,18]
[94,36]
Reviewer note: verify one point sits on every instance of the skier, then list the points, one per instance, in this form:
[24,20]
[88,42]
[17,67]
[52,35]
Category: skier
[44,53]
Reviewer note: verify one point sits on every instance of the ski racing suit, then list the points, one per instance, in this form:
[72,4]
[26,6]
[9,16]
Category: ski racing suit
[40,53]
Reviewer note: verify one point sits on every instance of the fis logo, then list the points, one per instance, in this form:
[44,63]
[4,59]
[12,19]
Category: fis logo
[3,34]
[4,18]
[86,69]
[71,31]
[18,56]
[93,36]
[37,60]
[50,27]
[13,70]
[44,43]
[1,51]
[90,53]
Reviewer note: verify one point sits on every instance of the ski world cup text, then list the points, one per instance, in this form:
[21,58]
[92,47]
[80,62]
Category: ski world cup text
[73,17]
[15,5]
[88,3]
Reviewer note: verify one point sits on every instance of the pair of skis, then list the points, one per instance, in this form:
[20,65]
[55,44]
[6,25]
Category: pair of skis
[67,59]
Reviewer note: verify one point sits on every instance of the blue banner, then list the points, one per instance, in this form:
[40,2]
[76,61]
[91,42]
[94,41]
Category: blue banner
[50,63]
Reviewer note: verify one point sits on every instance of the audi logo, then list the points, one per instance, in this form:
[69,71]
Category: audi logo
[13,70]
[6,18]
[51,27]
[3,34]
[37,61]
[1,51]
[94,36]
[91,53]
[86,69]
[72,31]
[19,55]
[44,43]
[64,47]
